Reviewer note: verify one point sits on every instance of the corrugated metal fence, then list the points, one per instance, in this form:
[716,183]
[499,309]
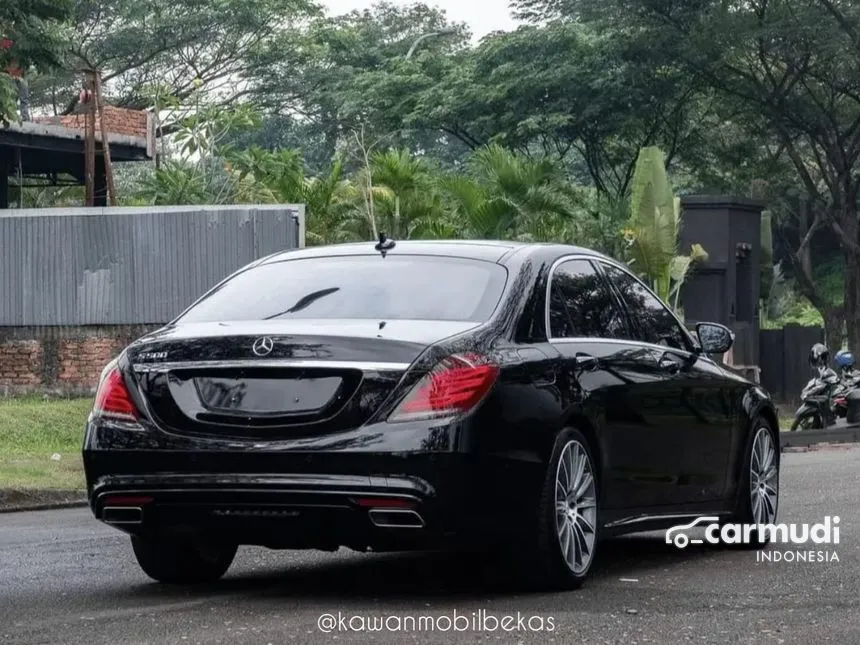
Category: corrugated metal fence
[127,266]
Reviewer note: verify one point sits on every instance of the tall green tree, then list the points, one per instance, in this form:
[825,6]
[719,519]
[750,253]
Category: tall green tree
[349,73]
[793,69]
[31,34]
[178,44]
[570,92]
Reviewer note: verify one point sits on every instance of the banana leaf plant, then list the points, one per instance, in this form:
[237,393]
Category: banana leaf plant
[653,229]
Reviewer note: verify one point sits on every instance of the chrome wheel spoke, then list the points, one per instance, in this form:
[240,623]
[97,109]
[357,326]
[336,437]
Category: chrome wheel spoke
[581,543]
[564,482]
[586,503]
[585,484]
[584,525]
[564,533]
[572,546]
[581,463]
[756,506]
[560,492]
[769,503]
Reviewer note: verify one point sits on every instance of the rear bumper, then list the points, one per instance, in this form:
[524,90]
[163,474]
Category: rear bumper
[280,511]
[294,498]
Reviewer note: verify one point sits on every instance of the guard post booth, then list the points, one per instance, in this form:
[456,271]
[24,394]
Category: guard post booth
[726,288]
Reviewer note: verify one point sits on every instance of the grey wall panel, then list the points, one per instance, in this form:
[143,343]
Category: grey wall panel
[117,266]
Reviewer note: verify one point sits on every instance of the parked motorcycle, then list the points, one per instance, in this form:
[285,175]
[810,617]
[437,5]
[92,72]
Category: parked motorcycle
[849,382]
[816,408]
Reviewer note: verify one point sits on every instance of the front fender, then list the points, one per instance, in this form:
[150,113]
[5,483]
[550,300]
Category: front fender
[757,402]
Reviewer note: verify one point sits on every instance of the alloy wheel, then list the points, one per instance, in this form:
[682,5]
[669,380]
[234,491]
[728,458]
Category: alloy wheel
[575,506]
[764,478]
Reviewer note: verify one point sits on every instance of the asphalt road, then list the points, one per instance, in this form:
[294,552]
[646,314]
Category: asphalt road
[66,579]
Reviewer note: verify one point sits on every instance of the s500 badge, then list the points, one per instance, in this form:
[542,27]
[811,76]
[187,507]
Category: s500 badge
[152,356]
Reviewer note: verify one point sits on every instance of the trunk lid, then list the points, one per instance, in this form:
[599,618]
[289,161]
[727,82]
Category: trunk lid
[279,378]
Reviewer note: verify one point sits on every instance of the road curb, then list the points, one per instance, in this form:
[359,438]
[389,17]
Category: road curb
[15,501]
[807,438]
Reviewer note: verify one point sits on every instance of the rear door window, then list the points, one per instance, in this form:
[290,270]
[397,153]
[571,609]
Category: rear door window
[655,323]
[358,287]
[582,305]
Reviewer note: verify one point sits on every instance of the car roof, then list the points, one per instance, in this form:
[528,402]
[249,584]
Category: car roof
[487,250]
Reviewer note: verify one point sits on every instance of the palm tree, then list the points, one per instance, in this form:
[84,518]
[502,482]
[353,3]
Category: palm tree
[652,232]
[508,195]
[407,179]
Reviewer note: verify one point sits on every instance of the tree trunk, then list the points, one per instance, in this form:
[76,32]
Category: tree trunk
[834,324]
[851,293]
[852,300]
[396,233]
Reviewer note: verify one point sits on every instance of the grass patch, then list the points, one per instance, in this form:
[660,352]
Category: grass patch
[32,429]
[785,414]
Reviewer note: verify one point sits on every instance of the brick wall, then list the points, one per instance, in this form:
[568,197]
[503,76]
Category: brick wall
[135,123]
[62,360]
[20,362]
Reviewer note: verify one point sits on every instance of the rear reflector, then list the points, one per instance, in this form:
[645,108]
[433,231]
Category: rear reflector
[126,500]
[113,399]
[455,386]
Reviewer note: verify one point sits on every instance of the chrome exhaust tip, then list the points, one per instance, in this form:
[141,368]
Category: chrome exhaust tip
[122,515]
[396,518]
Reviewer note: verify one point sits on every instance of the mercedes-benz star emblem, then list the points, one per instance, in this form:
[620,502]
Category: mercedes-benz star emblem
[263,346]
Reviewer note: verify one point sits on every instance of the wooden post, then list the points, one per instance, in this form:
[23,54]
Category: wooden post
[89,139]
[108,166]
[20,166]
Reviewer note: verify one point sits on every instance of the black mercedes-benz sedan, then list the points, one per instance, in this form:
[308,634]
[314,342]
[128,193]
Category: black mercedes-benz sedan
[421,395]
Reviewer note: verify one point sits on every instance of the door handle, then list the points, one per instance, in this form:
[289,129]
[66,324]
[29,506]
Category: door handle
[586,362]
[669,365]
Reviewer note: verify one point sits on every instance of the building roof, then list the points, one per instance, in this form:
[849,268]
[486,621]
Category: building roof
[58,148]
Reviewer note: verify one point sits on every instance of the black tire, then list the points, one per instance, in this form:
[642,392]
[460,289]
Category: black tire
[852,415]
[744,513]
[182,563]
[813,422]
[547,567]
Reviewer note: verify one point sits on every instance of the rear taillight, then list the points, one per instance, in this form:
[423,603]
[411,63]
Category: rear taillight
[454,387]
[113,399]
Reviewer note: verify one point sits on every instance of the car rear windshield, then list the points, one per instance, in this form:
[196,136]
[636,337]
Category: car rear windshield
[396,287]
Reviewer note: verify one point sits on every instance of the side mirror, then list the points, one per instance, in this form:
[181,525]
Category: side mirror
[715,338]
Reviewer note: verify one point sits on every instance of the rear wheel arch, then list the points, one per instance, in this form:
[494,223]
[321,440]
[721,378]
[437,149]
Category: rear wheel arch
[769,415]
[579,421]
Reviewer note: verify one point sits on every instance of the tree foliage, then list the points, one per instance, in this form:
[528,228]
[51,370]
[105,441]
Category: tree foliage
[32,32]
[179,44]
[791,69]
[532,134]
